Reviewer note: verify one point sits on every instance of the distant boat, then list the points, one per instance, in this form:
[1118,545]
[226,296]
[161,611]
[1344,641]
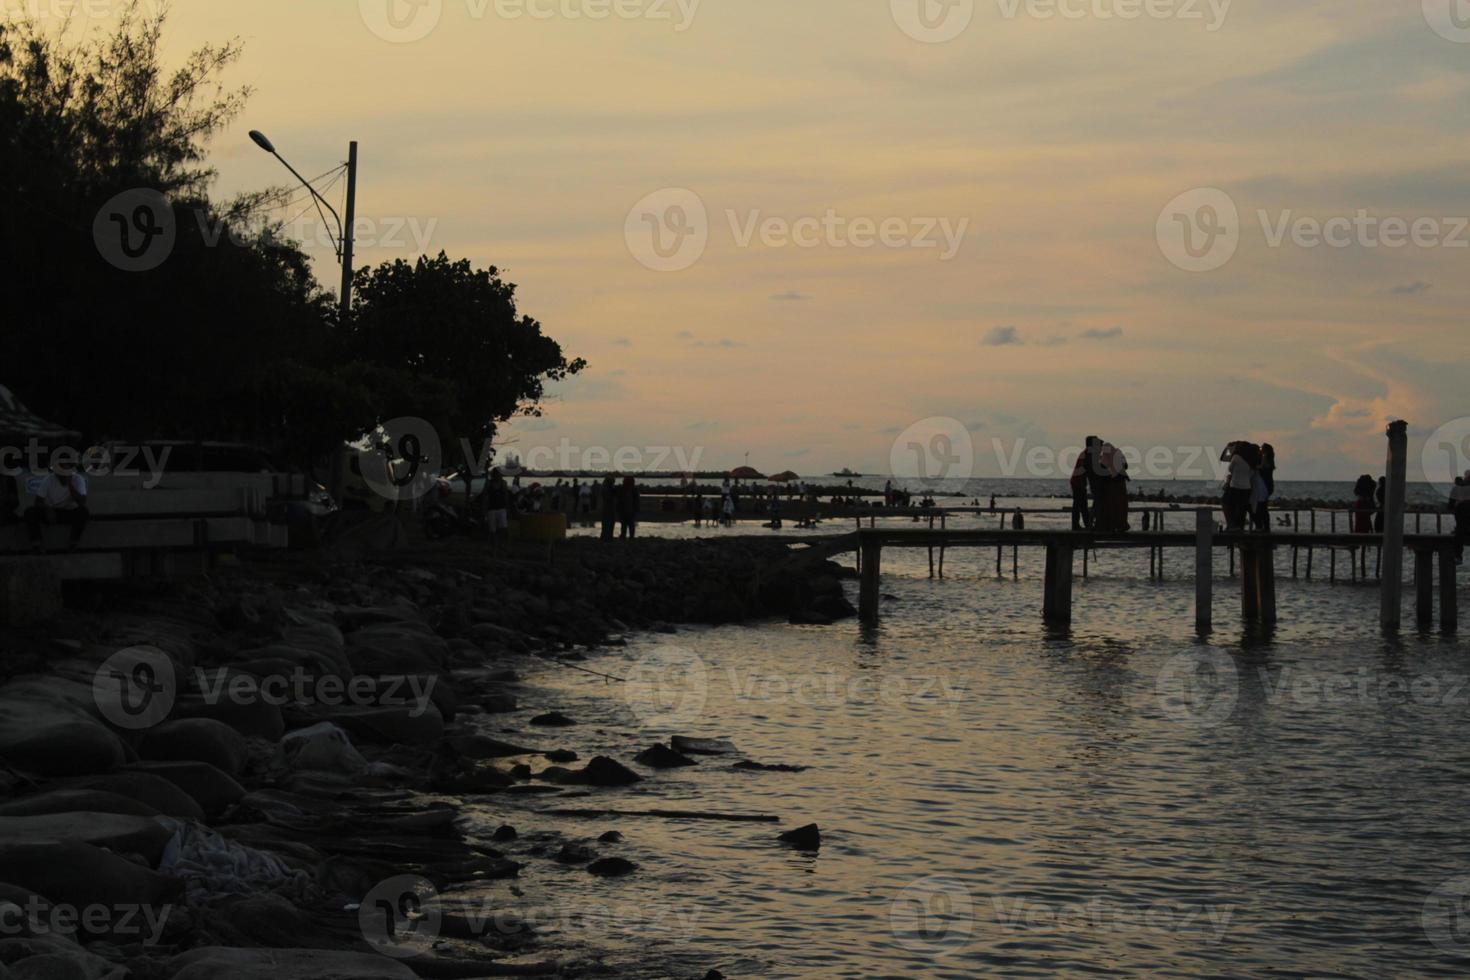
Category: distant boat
[846,472]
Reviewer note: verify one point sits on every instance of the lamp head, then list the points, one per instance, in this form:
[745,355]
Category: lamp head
[262,142]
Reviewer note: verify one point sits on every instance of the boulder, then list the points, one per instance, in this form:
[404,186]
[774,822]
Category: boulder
[121,833]
[807,838]
[30,591]
[660,756]
[53,957]
[613,867]
[234,697]
[702,746]
[145,788]
[553,719]
[73,800]
[196,740]
[484,747]
[48,736]
[601,771]
[72,872]
[225,963]
[213,789]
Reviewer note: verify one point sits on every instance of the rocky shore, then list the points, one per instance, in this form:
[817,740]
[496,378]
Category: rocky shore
[262,775]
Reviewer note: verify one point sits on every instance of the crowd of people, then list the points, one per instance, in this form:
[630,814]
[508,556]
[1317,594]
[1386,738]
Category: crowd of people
[1250,483]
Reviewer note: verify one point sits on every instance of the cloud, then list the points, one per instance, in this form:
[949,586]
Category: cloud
[1002,337]
[797,453]
[790,296]
[724,342]
[1412,289]
[622,342]
[1110,333]
[685,335]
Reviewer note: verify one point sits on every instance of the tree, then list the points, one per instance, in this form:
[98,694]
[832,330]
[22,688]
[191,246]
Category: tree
[445,321]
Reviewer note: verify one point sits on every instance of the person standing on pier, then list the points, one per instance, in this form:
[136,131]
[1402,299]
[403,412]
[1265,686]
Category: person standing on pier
[1081,516]
[497,509]
[1238,483]
[1460,505]
[1263,488]
[1381,498]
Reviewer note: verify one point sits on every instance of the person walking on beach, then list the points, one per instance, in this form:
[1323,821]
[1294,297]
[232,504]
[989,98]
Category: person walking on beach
[1081,516]
[61,498]
[609,506]
[629,501]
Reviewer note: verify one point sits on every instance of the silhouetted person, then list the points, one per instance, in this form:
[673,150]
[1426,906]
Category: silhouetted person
[1363,506]
[1081,516]
[497,507]
[1381,498]
[1460,505]
[628,504]
[61,498]
[1239,481]
[1263,487]
[609,506]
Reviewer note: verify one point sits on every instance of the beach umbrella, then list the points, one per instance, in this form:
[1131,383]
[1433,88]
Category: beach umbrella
[746,473]
[786,477]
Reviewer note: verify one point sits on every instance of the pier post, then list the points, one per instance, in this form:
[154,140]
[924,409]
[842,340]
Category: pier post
[1449,613]
[1204,569]
[1424,587]
[872,550]
[1250,594]
[1266,582]
[1015,563]
[1056,605]
[1391,611]
[1310,552]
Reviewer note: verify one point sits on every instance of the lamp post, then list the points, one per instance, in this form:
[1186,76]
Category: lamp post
[344,231]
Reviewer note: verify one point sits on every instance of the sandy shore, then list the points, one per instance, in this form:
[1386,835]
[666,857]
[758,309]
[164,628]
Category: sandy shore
[262,775]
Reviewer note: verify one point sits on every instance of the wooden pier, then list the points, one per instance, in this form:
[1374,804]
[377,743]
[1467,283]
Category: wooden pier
[1256,553]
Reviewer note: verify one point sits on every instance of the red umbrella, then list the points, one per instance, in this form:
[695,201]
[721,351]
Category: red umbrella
[746,473]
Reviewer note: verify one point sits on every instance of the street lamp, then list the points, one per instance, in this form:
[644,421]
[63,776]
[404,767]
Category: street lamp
[344,231]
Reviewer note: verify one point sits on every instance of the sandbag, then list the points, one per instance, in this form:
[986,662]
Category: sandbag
[118,832]
[146,788]
[74,800]
[48,736]
[211,787]
[72,872]
[196,740]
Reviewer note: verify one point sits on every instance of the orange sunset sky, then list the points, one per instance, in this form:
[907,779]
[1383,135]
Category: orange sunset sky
[525,133]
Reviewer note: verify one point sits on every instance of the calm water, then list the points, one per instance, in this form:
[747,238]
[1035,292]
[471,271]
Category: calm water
[1000,798]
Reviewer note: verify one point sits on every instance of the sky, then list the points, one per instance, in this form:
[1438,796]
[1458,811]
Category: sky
[806,229]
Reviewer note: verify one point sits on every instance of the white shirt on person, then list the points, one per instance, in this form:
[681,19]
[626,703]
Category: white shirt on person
[1240,473]
[56,490]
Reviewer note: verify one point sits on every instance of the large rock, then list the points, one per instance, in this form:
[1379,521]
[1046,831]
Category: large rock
[223,963]
[73,800]
[120,833]
[389,725]
[72,872]
[213,789]
[196,740]
[48,736]
[146,788]
[235,698]
[397,648]
[53,957]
